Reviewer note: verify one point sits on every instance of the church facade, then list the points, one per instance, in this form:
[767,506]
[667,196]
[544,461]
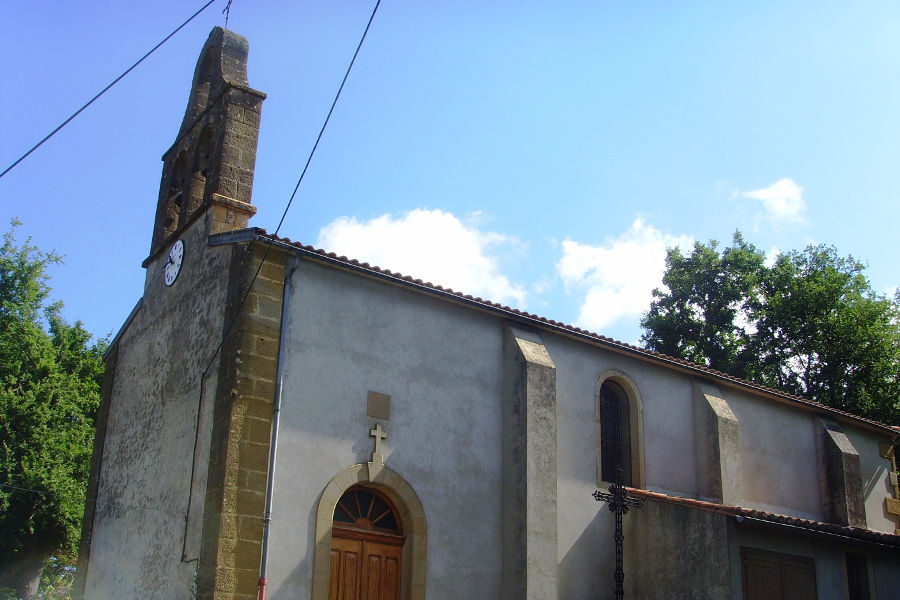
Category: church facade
[282,422]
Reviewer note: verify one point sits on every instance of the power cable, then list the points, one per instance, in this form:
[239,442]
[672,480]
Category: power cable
[296,187]
[227,12]
[104,90]
[265,255]
[271,240]
[327,118]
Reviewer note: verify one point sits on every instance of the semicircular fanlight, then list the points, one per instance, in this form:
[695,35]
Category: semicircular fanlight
[366,509]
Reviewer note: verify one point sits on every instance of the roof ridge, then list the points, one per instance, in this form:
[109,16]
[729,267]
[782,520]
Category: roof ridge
[572,329]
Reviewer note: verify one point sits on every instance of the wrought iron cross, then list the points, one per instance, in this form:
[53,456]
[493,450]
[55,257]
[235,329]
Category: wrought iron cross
[619,502]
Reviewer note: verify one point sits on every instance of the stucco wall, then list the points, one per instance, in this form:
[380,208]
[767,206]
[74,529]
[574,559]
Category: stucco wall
[875,472]
[687,559]
[441,365]
[779,461]
[586,526]
[667,423]
[886,573]
[145,478]
[829,558]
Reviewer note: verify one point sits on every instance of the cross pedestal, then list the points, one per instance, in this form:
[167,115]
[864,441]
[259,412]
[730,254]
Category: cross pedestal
[377,462]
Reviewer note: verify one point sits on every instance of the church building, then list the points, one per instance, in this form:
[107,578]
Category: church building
[281,422]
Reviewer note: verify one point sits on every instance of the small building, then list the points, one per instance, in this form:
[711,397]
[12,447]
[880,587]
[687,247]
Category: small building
[274,411]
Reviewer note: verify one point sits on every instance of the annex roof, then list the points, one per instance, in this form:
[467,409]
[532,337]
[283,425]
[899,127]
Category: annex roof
[763,518]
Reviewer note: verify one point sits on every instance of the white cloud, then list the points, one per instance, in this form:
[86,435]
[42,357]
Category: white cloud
[431,245]
[782,201]
[619,276]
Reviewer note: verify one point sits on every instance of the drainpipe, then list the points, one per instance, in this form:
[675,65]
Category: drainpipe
[276,412]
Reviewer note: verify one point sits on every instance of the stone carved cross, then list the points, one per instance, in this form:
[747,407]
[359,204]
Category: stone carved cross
[379,435]
[377,462]
[619,502]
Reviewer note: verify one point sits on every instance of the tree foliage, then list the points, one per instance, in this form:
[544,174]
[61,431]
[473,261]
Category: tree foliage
[809,323]
[49,393]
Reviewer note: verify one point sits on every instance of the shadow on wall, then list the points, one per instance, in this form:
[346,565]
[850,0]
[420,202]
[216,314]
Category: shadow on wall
[669,553]
[676,553]
[586,571]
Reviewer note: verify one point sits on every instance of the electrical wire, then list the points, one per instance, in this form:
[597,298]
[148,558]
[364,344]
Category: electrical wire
[245,295]
[296,187]
[268,246]
[104,90]
[327,118]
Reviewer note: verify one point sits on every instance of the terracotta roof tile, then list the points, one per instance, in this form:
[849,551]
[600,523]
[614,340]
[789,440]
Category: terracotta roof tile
[858,533]
[630,348]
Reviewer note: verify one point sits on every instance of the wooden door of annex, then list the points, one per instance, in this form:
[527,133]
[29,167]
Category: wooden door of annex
[775,576]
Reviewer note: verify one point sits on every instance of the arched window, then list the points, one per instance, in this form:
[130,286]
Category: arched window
[366,546]
[615,434]
[203,77]
[362,510]
[197,185]
[176,192]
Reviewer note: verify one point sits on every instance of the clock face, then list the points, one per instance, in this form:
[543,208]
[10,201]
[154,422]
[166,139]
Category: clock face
[173,265]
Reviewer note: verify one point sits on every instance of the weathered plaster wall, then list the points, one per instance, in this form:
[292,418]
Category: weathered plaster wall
[441,365]
[139,523]
[529,513]
[717,438]
[586,526]
[875,471]
[778,456]
[687,559]
[886,574]
[829,558]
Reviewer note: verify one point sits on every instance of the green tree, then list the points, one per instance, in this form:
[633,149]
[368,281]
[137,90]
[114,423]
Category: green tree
[711,297]
[809,324]
[49,393]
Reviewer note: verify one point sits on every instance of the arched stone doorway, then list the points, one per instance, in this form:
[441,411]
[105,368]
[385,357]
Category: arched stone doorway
[409,514]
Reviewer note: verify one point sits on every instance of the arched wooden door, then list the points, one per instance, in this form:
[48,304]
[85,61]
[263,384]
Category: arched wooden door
[366,547]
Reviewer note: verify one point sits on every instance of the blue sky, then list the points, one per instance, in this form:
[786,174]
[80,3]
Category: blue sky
[537,154]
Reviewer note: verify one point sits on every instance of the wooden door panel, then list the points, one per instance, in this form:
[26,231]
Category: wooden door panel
[390,578]
[372,575]
[799,583]
[334,576]
[350,579]
[762,581]
[775,576]
[381,571]
[346,564]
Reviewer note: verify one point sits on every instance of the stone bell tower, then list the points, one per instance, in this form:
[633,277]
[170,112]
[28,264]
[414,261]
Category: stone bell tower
[209,168]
